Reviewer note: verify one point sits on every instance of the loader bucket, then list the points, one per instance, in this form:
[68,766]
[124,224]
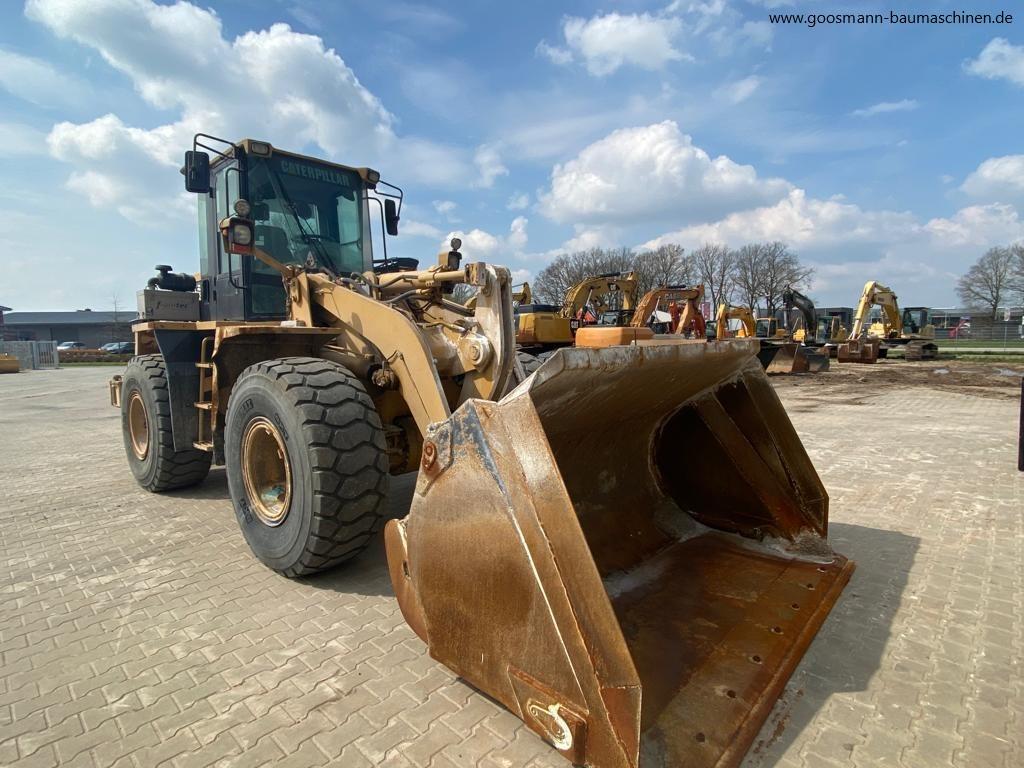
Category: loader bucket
[628,551]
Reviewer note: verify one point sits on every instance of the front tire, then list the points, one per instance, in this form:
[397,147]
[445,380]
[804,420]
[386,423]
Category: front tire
[146,427]
[307,463]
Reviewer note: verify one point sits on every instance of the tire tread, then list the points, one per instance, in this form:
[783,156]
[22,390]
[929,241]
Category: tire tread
[316,388]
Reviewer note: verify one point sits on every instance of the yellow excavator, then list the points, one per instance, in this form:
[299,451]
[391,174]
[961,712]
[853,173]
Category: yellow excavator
[683,320]
[831,328]
[681,303]
[778,352]
[909,330]
[638,604]
[606,299]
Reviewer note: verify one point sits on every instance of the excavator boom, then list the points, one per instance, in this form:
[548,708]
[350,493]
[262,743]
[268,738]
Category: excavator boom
[683,305]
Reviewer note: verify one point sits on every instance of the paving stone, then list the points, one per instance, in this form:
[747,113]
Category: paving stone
[137,629]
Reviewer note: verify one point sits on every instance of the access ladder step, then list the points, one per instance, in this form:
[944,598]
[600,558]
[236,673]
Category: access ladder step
[205,406]
[202,446]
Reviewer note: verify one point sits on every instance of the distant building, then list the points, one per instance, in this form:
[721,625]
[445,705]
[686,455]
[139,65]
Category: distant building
[91,328]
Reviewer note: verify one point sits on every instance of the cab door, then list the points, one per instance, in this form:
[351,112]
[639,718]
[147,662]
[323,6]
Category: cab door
[228,271]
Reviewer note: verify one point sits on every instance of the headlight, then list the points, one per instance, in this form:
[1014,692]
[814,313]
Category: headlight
[241,234]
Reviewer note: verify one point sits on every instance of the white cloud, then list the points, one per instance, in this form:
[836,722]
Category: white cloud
[517,234]
[597,236]
[37,82]
[605,43]
[884,107]
[412,228]
[553,53]
[652,172]
[18,139]
[518,202]
[740,90]
[1000,59]
[979,226]
[488,163]
[997,177]
[799,221]
[447,209]
[275,84]
[480,245]
[835,235]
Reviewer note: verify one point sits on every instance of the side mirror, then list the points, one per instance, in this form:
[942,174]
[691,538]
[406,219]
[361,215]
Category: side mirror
[197,172]
[391,217]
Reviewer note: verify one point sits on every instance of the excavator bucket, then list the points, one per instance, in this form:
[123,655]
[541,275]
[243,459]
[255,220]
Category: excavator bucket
[859,351]
[791,357]
[627,551]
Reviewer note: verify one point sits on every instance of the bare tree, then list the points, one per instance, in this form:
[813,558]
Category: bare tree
[714,266]
[764,271]
[463,292]
[747,276]
[552,282]
[665,265]
[115,328]
[993,279]
[781,269]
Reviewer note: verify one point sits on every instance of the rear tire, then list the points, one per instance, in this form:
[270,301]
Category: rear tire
[307,463]
[146,426]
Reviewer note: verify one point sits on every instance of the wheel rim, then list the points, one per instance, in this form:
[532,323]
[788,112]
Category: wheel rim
[138,426]
[266,472]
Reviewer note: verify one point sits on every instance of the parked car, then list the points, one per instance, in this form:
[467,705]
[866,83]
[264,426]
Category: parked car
[71,345]
[962,329]
[119,347]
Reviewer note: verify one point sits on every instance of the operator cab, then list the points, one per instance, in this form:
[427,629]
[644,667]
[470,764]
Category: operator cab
[915,319]
[303,211]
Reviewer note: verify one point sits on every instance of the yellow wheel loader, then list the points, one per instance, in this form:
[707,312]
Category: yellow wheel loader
[637,603]
[909,330]
[606,299]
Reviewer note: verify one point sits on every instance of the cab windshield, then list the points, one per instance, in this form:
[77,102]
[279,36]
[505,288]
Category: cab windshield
[308,213]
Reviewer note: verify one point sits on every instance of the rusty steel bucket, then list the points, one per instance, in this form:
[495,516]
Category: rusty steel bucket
[628,551]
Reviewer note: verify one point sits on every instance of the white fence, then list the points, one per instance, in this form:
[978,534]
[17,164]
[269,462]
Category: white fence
[32,354]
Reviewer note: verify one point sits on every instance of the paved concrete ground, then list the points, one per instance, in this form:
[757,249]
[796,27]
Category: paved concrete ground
[136,630]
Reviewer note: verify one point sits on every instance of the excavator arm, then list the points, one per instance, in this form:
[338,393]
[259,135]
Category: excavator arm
[726,313]
[793,298]
[523,296]
[877,294]
[594,291]
[688,313]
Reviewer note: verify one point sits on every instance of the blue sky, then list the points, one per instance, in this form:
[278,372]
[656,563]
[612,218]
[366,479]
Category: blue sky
[876,151]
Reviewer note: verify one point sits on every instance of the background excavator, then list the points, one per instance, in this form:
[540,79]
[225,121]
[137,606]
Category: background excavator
[778,352]
[637,604]
[681,303]
[909,329]
[606,299]
[833,328]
